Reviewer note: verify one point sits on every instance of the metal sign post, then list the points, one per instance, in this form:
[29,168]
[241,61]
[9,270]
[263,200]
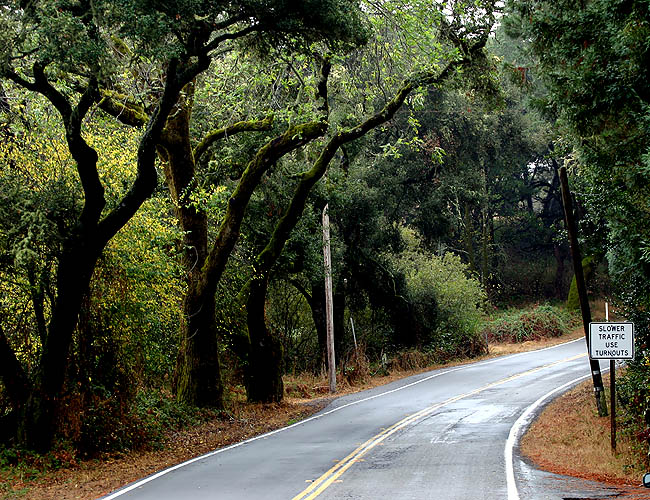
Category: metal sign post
[612,393]
[611,340]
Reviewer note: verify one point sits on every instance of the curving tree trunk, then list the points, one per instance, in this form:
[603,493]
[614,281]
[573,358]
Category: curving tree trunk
[198,371]
[264,367]
[36,417]
[199,376]
[198,368]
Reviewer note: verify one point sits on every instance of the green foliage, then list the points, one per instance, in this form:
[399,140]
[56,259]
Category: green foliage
[135,298]
[633,393]
[422,170]
[107,425]
[126,336]
[37,202]
[289,316]
[442,284]
[520,325]
[573,301]
[591,59]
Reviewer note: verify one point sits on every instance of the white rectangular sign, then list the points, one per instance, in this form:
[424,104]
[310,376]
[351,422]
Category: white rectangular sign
[611,340]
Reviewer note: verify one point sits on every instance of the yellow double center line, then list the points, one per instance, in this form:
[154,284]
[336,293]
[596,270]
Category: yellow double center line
[324,481]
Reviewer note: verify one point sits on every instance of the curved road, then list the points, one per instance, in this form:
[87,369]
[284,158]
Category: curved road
[446,434]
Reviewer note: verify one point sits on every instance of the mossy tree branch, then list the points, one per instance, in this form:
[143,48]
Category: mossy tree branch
[179,75]
[123,108]
[271,152]
[263,378]
[269,255]
[236,128]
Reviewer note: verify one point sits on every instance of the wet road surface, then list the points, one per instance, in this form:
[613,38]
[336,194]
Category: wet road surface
[446,434]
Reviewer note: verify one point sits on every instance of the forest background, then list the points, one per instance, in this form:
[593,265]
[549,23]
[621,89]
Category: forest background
[164,170]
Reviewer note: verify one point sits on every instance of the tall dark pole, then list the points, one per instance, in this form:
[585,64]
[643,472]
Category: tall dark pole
[599,390]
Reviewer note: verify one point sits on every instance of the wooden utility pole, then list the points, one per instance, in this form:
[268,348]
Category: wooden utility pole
[329,309]
[596,376]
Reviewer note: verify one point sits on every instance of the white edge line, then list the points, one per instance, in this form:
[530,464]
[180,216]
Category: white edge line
[166,471]
[517,429]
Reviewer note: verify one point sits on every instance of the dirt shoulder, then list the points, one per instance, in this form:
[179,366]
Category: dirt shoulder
[91,479]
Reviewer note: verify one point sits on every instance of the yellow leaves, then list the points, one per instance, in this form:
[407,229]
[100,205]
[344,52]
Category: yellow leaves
[117,147]
[147,249]
[40,159]
[41,156]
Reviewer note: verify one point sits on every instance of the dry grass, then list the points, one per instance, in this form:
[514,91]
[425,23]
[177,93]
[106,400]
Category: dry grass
[580,445]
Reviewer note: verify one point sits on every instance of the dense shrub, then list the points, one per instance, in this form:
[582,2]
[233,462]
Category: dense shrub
[633,394]
[444,283]
[411,359]
[542,321]
[108,424]
[355,366]
[511,289]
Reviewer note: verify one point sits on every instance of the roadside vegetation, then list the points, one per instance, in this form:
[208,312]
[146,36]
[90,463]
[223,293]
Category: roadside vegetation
[521,325]
[164,172]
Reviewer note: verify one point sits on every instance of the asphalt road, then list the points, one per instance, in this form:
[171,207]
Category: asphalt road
[446,434]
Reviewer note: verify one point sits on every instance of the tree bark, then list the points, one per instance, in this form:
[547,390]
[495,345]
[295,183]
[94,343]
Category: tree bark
[198,371]
[264,371]
[81,249]
[199,377]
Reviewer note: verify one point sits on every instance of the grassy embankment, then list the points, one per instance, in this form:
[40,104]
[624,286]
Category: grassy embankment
[570,438]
